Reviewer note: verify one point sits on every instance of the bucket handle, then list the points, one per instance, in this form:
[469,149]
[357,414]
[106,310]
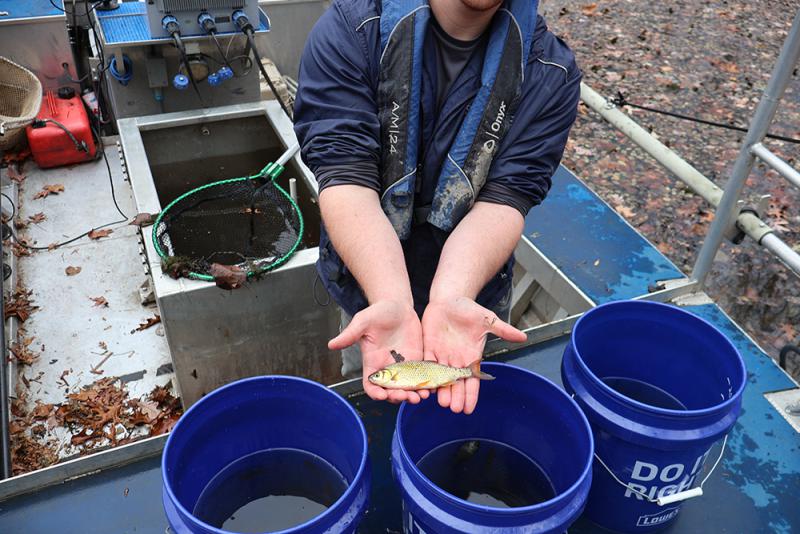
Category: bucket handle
[675,497]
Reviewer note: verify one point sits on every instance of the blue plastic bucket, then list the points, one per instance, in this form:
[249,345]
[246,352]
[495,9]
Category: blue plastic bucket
[520,410]
[659,386]
[259,414]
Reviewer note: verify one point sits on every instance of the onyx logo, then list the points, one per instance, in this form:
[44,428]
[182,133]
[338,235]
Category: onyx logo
[494,129]
[394,128]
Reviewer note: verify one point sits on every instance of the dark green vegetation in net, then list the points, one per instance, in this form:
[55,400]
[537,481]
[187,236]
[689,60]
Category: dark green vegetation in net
[229,231]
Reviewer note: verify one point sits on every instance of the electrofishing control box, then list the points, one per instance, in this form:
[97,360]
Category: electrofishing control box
[61,133]
[186,13]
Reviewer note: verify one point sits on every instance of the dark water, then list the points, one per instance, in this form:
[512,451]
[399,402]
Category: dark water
[644,392]
[488,473]
[270,490]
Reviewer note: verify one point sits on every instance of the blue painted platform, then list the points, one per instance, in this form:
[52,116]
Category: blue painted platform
[756,489]
[600,252]
[28,9]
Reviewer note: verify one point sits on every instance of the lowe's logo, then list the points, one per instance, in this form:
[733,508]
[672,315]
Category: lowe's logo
[656,519]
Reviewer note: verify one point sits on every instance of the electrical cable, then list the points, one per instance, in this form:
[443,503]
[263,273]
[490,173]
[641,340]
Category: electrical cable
[182,49]
[248,32]
[94,6]
[13,207]
[80,145]
[124,219]
[620,101]
[219,48]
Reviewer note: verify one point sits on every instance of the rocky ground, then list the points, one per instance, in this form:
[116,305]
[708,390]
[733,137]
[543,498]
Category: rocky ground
[706,59]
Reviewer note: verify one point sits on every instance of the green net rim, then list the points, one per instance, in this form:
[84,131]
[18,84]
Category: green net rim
[273,170]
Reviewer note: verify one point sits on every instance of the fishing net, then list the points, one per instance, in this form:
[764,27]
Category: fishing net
[232,229]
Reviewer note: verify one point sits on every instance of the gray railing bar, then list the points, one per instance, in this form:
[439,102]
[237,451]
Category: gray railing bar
[728,206]
[787,255]
[774,161]
[747,221]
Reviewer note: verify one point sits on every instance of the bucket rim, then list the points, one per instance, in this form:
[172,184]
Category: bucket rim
[568,493]
[352,487]
[699,412]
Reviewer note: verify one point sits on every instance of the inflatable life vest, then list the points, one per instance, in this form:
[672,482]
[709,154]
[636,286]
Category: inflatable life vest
[403,26]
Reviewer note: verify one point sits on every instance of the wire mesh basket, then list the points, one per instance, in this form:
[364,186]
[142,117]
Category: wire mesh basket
[20,99]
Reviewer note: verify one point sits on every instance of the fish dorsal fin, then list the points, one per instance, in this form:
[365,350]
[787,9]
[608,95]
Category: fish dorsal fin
[397,356]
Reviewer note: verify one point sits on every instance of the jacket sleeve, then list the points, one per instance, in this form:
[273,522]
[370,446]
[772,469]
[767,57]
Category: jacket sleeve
[336,118]
[520,175]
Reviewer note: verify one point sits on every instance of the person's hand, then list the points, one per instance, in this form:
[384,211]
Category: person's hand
[382,327]
[454,333]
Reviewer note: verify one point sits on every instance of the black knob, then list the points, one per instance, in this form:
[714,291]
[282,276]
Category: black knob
[66,92]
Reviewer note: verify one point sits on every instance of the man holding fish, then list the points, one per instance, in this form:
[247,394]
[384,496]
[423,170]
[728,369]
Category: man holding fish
[433,127]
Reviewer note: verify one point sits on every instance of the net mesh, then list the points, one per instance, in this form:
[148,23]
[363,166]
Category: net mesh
[249,223]
[20,99]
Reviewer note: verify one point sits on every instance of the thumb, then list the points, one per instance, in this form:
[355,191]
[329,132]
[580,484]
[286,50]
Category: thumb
[505,331]
[349,336]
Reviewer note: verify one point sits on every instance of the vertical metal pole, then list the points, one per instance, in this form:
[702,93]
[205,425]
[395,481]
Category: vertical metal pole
[727,209]
[5,445]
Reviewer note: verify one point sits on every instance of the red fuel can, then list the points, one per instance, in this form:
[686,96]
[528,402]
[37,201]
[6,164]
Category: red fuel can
[61,134]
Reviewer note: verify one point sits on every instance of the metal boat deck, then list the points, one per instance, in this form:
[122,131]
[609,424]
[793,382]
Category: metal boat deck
[754,490]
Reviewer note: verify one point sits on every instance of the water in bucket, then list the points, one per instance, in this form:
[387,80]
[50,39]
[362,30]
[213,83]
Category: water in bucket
[270,490]
[488,473]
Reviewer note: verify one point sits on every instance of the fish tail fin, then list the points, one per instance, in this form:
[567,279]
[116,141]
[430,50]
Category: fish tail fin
[475,367]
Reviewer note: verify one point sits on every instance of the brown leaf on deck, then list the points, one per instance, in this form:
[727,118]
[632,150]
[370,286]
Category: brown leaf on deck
[37,218]
[19,306]
[49,189]
[23,355]
[147,324]
[228,276]
[97,234]
[100,301]
[144,219]
[28,454]
[72,271]
[19,224]
[15,174]
[41,411]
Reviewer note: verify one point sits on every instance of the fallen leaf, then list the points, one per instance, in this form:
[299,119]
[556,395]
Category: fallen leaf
[52,246]
[144,219]
[625,211]
[14,174]
[100,301]
[103,345]
[228,276]
[49,189]
[147,324]
[41,411]
[72,271]
[19,306]
[97,234]
[19,224]
[37,218]
[589,9]
[22,354]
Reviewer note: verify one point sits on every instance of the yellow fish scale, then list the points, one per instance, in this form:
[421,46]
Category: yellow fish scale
[425,374]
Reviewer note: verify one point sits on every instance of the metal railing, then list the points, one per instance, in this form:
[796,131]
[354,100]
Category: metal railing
[729,219]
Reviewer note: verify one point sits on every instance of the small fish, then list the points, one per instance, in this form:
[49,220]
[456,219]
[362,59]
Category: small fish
[423,374]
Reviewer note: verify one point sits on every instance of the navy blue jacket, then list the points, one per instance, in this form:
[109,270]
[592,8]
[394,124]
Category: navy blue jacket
[336,122]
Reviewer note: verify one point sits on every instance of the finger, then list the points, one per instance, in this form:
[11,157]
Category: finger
[472,386]
[458,394]
[349,335]
[398,395]
[424,393]
[443,395]
[413,397]
[504,330]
